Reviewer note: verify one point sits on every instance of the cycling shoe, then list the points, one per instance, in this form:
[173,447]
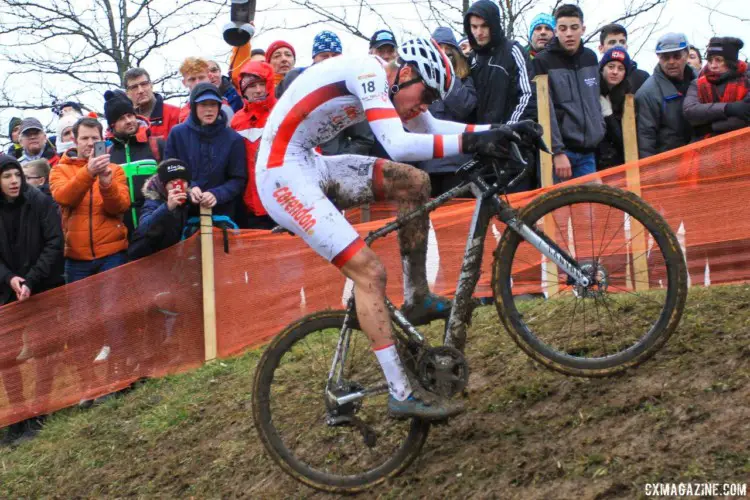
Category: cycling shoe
[431,308]
[430,408]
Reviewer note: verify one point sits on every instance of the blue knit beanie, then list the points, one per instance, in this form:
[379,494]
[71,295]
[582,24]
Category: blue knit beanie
[326,41]
[540,19]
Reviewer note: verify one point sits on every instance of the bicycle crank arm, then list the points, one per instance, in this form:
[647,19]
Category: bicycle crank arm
[355,396]
[541,242]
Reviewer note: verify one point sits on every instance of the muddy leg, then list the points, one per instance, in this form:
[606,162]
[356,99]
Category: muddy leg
[410,188]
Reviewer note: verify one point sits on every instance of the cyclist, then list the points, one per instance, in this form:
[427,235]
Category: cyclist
[300,189]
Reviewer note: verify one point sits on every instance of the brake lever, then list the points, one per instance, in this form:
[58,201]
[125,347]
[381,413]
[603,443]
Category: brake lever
[515,154]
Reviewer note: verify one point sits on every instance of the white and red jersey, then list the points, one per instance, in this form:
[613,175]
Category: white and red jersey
[296,185]
[338,92]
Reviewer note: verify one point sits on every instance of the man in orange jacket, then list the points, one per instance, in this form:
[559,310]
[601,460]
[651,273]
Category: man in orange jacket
[256,83]
[93,196]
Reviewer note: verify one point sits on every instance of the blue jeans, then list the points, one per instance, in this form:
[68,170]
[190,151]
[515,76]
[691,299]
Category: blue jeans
[580,163]
[100,300]
[76,270]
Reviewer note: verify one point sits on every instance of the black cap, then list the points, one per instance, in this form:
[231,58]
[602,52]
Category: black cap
[116,105]
[726,46]
[171,169]
[382,37]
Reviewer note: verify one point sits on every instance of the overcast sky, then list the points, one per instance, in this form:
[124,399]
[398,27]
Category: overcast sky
[688,16]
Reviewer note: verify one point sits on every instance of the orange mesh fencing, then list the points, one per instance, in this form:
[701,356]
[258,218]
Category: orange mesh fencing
[49,344]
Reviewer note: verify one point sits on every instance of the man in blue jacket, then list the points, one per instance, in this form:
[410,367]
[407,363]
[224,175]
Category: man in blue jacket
[214,153]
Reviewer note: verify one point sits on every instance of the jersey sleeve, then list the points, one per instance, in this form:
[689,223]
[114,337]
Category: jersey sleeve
[425,123]
[370,85]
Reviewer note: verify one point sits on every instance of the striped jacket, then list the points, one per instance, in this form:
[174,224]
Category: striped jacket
[501,72]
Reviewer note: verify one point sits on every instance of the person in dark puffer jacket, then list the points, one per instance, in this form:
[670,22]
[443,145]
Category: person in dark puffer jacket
[165,212]
[214,153]
[615,84]
[31,238]
[661,122]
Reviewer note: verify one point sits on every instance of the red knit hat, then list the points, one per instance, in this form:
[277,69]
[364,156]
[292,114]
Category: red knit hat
[276,46]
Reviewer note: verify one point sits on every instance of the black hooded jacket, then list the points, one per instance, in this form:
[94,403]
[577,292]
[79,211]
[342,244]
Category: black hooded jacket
[500,71]
[35,251]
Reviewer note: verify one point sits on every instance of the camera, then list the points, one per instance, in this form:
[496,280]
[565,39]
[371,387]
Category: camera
[239,31]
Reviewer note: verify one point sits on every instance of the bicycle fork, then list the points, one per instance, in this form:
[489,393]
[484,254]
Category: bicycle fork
[460,317]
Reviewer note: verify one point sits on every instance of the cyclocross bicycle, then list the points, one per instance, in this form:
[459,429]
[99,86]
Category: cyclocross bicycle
[588,280]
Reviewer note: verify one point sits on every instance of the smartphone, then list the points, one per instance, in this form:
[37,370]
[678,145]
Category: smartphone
[180,185]
[100,148]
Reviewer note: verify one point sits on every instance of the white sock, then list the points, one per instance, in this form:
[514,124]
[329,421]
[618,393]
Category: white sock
[398,383]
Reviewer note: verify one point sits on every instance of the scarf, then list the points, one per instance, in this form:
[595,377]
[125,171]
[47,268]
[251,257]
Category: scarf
[616,94]
[735,83]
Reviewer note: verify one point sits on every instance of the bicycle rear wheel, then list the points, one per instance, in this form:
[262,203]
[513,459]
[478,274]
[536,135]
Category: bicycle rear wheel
[637,270]
[290,412]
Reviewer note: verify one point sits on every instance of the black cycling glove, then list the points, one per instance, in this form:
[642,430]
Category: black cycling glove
[493,142]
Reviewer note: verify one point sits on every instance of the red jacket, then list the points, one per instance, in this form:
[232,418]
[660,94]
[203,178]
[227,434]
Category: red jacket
[249,123]
[163,117]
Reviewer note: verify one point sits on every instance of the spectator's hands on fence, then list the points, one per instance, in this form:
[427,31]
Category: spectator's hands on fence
[196,195]
[493,142]
[739,109]
[19,286]
[175,198]
[208,200]
[97,165]
[563,170]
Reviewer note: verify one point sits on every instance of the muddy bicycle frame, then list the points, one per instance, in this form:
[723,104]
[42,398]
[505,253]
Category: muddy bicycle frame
[488,203]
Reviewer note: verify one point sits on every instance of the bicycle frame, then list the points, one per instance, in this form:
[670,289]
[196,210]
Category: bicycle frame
[488,203]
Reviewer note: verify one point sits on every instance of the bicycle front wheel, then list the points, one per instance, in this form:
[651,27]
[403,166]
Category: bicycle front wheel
[637,272]
[293,421]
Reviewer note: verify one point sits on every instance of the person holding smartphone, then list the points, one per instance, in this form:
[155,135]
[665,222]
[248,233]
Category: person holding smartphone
[93,196]
[165,211]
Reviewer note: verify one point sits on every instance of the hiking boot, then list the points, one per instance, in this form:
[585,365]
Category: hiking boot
[432,307]
[425,408]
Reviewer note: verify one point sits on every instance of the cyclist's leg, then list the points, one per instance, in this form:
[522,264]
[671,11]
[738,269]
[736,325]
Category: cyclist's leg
[351,180]
[295,201]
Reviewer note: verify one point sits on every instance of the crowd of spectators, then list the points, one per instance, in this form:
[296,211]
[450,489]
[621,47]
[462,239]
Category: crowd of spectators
[68,212]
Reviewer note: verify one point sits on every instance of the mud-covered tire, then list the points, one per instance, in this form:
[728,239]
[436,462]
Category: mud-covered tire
[666,243]
[416,430]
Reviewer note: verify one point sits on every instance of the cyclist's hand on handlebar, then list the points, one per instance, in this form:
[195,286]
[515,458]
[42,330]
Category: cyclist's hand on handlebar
[532,132]
[493,142]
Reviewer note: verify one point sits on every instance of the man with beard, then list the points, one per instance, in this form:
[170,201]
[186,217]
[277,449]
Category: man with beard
[132,143]
[541,31]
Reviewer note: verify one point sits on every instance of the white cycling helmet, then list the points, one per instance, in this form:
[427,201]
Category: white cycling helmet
[431,62]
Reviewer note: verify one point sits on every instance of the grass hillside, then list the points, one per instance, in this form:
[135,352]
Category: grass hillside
[684,416]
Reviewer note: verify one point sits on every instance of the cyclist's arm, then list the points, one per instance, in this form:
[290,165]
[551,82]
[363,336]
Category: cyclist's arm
[427,124]
[371,87]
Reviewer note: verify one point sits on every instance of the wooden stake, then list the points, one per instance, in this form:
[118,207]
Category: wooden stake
[633,177]
[549,269]
[209,290]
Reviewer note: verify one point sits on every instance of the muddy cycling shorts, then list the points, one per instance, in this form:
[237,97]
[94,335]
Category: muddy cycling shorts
[303,194]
